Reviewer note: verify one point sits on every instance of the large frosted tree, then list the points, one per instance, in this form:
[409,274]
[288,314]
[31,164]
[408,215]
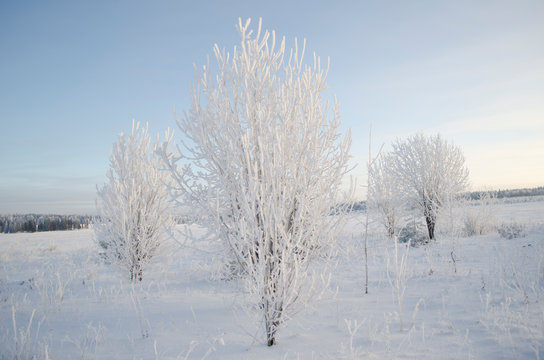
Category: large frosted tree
[429,172]
[134,205]
[264,159]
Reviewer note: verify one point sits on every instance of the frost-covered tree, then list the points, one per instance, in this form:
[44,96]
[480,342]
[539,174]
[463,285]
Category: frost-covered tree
[133,206]
[383,195]
[429,171]
[264,159]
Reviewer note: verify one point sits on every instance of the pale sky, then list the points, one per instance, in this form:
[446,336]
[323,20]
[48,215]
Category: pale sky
[73,74]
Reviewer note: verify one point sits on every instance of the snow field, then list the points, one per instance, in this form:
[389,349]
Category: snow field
[475,297]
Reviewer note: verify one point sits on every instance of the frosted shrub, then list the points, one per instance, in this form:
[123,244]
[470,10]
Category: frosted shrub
[134,206]
[476,224]
[382,193]
[511,230]
[398,264]
[473,224]
[479,216]
[263,163]
[21,342]
[413,233]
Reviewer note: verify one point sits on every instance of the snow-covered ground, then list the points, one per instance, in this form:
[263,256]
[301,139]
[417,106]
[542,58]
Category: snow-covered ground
[478,297]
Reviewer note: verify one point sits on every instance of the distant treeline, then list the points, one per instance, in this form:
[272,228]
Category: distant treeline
[34,222]
[476,195]
[503,194]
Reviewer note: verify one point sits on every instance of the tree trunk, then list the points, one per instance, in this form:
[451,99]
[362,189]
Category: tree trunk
[390,226]
[431,220]
[430,217]
[136,272]
[271,339]
[271,328]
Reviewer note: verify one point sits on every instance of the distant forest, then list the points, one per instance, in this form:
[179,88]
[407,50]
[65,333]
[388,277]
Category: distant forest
[34,223]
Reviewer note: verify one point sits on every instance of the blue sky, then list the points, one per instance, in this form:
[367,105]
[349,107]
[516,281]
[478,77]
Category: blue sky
[73,74]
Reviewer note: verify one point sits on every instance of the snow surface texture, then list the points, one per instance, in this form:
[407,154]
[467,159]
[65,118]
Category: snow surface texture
[478,297]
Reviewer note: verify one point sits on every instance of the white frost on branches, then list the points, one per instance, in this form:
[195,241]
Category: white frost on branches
[133,206]
[263,161]
[383,194]
[429,173]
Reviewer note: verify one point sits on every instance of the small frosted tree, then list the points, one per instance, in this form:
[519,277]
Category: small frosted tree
[133,206]
[264,163]
[383,195]
[429,172]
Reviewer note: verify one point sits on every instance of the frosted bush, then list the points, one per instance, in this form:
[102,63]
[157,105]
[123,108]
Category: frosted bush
[134,205]
[479,217]
[382,193]
[22,340]
[511,230]
[413,233]
[473,225]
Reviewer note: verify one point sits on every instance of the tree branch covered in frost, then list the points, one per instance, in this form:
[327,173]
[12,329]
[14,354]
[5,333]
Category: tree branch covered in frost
[383,193]
[133,205]
[430,172]
[264,164]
